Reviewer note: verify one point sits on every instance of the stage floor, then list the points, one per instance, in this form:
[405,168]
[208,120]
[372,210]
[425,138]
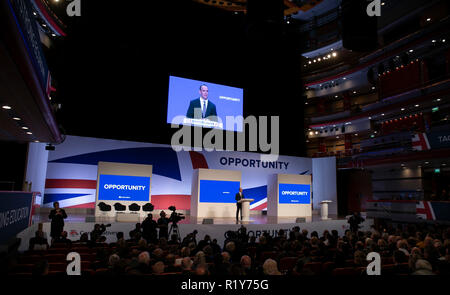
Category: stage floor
[255,218]
[77,223]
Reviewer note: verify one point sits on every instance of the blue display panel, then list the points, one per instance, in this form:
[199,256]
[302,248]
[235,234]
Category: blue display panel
[218,191]
[184,104]
[124,188]
[294,193]
[15,211]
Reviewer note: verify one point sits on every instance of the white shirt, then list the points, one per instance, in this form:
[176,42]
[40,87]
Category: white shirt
[205,101]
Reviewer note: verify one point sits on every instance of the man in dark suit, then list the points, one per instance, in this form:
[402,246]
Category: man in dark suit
[239,196]
[201,107]
[57,216]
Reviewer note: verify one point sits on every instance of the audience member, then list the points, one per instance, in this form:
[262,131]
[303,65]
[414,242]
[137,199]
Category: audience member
[270,267]
[38,242]
[418,249]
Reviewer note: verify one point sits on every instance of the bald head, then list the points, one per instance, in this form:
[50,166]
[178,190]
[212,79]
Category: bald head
[226,257]
[186,263]
[144,258]
[246,261]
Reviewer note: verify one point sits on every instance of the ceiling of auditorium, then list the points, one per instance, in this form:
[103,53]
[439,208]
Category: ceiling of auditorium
[299,9]
[23,111]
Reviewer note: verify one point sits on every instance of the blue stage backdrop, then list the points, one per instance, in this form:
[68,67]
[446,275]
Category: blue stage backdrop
[71,176]
[294,193]
[15,213]
[217,191]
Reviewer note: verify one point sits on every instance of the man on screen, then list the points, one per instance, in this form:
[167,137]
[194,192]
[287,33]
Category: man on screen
[239,196]
[202,108]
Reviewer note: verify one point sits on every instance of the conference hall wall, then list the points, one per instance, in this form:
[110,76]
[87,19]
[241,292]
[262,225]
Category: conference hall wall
[71,171]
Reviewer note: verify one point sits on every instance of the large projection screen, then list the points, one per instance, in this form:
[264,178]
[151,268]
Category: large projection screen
[204,104]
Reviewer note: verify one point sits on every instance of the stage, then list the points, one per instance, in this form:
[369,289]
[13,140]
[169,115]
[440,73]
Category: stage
[256,217]
[79,223]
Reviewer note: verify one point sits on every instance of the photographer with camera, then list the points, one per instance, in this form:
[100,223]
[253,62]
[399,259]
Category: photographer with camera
[149,232]
[163,225]
[136,233]
[190,238]
[175,218]
[98,231]
[355,220]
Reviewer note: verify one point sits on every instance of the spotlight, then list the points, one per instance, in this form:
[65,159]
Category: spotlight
[6,107]
[334,54]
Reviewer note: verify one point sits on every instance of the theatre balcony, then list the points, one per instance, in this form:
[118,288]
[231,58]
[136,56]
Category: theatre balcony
[360,107]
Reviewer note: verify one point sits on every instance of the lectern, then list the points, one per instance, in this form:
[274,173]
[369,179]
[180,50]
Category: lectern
[324,209]
[245,208]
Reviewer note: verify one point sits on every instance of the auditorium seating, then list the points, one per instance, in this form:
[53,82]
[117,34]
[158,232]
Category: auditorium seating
[323,260]
[268,254]
[345,271]
[287,263]
[315,267]
[90,266]
[400,79]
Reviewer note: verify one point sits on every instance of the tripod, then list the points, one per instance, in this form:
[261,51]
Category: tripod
[175,230]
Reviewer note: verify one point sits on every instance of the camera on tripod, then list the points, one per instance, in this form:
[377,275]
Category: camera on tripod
[175,217]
